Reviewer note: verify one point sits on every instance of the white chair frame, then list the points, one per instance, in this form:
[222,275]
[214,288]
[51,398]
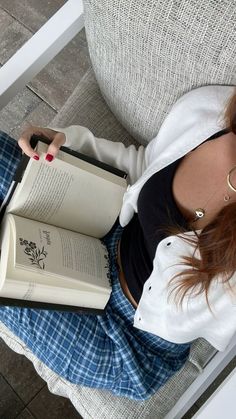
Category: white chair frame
[28,61]
[40,49]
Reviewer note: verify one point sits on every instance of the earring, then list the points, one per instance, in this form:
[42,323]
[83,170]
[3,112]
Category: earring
[228,179]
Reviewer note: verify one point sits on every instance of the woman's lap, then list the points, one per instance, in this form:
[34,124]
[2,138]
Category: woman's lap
[99,351]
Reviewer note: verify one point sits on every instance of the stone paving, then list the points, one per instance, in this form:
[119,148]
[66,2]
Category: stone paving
[48,91]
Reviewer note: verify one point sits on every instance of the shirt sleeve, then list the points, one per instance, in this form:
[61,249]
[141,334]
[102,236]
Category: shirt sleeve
[129,159]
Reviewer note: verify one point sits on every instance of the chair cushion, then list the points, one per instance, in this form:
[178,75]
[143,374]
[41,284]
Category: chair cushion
[87,107]
[146,54]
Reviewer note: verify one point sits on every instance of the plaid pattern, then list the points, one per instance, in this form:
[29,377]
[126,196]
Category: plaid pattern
[104,352]
[10,155]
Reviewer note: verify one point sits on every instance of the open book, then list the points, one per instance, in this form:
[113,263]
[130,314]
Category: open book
[54,218]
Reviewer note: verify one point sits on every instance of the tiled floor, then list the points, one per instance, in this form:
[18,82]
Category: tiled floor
[48,91]
[23,394]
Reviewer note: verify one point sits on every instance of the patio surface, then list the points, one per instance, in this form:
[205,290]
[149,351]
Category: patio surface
[23,394]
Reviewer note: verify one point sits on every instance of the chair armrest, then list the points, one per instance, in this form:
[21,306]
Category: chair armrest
[41,48]
[211,371]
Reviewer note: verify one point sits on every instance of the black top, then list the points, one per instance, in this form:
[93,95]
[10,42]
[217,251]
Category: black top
[157,210]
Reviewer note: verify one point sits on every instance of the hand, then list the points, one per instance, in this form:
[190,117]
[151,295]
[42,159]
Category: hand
[57,140]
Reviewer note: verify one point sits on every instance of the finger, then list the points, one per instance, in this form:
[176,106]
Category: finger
[58,141]
[24,140]
[24,143]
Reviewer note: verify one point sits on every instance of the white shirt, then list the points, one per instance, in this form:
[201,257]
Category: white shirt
[195,117]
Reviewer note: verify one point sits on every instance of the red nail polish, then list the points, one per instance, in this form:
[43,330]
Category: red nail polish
[36,157]
[49,157]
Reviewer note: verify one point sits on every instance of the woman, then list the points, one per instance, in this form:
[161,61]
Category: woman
[172,262]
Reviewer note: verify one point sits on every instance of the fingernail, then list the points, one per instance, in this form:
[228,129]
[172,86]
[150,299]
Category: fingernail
[49,157]
[36,157]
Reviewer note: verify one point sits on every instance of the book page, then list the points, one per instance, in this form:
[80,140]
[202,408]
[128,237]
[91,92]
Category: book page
[50,252]
[70,197]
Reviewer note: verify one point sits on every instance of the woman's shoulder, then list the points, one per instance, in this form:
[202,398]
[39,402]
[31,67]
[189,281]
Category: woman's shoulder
[210,92]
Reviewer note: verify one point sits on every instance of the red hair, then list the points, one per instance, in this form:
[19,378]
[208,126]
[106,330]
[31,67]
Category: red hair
[216,244]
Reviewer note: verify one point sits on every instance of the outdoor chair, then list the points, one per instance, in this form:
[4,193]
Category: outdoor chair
[144,55]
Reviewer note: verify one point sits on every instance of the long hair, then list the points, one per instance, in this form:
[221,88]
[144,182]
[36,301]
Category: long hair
[216,244]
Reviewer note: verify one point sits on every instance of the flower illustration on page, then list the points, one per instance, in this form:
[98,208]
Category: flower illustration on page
[36,256]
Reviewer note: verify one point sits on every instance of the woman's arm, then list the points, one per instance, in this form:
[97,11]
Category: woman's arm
[129,159]
[79,138]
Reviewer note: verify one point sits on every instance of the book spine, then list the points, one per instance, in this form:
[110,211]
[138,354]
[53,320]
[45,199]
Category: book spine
[49,306]
[91,160]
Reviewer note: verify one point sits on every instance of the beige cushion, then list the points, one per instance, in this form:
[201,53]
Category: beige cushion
[146,54]
[87,107]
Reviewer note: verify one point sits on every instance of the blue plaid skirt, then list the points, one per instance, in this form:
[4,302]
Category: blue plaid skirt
[104,352]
